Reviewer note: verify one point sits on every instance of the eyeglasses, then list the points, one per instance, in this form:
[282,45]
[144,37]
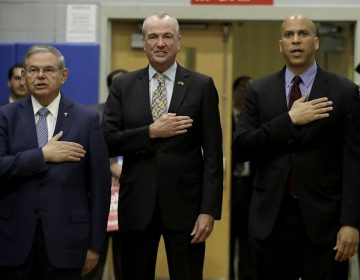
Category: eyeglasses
[48,71]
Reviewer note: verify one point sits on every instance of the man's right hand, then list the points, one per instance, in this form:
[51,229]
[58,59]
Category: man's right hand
[303,112]
[61,151]
[169,125]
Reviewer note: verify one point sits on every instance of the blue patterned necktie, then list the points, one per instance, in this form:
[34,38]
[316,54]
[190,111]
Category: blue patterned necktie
[159,100]
[41,127]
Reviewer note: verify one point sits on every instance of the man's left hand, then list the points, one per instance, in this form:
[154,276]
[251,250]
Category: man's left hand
[347,243]
[203,228]
[92,258]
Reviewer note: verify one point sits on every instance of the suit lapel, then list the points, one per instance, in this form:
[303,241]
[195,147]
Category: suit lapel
[141,92]
[180,86]
[280,91]
[320,88]
[26,121]
[65,115]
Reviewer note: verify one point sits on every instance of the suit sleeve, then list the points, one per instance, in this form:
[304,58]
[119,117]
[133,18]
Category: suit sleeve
[212,152]
[256,135]
[21,164]
[100,186]
[350,208]
[120,140]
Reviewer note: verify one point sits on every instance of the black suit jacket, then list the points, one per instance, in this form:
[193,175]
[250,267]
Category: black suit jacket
[324,155]
[184,173]
[72,198]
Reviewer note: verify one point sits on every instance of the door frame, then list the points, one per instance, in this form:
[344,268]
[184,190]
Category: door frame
[111,11]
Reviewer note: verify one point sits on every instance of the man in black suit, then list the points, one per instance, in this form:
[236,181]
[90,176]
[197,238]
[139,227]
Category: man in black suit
[305,210]
[55,179]
[172,176]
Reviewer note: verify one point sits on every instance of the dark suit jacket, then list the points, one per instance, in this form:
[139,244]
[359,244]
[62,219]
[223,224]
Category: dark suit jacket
[4,102]
[324,155]
[183,173]
[72,198]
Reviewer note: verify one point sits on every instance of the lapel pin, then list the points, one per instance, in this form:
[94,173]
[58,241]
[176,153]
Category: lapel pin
[180,83]
[65,114]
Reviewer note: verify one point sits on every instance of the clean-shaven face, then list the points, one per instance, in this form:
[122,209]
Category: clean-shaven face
[161,42]
[43,76]
[298,43]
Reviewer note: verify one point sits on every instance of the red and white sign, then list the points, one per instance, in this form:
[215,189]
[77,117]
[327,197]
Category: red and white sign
[113,213]
[232,2]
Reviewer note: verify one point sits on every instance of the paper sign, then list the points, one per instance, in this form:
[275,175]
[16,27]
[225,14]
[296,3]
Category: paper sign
[113,213]
[81,23]
[232,2]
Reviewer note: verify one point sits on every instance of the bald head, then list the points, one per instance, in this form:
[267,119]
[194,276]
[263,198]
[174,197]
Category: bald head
[298,43]
[299,18]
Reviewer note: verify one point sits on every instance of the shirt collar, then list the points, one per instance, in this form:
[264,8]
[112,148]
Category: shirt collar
[53,107]
[169,73]
[307,76]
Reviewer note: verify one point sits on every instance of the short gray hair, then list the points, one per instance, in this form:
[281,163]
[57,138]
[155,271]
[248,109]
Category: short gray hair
[46,48]
[161,15]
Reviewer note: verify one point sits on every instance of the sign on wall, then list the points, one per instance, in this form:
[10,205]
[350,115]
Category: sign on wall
[81,23]
[232,2]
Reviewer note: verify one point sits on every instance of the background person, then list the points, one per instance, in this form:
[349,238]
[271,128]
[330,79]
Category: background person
[167,127]
[16,83]
[115,169]
[241,186]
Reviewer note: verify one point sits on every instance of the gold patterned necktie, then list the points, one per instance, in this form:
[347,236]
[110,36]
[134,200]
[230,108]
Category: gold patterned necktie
[159,100]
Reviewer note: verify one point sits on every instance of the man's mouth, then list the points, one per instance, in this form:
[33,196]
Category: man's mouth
[40,85]
[296,52]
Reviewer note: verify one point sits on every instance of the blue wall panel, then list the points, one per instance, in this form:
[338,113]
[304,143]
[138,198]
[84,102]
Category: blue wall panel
[82,60]
[7,58]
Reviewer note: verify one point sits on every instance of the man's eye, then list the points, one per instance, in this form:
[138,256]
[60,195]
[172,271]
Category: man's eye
[49,71]
[34,71]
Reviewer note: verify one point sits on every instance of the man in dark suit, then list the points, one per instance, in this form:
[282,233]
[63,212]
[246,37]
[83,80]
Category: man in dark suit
[304,213]
[54,196]
[172,176]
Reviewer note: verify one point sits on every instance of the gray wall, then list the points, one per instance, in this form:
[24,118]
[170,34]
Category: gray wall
[45,21]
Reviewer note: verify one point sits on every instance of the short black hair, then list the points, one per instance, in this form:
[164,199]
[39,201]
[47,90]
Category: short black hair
[11,70]
[240,82]
[357,69]
[112,74]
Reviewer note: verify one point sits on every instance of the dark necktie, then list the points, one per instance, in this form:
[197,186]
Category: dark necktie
[159,100]
[295,92]
[41,127]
